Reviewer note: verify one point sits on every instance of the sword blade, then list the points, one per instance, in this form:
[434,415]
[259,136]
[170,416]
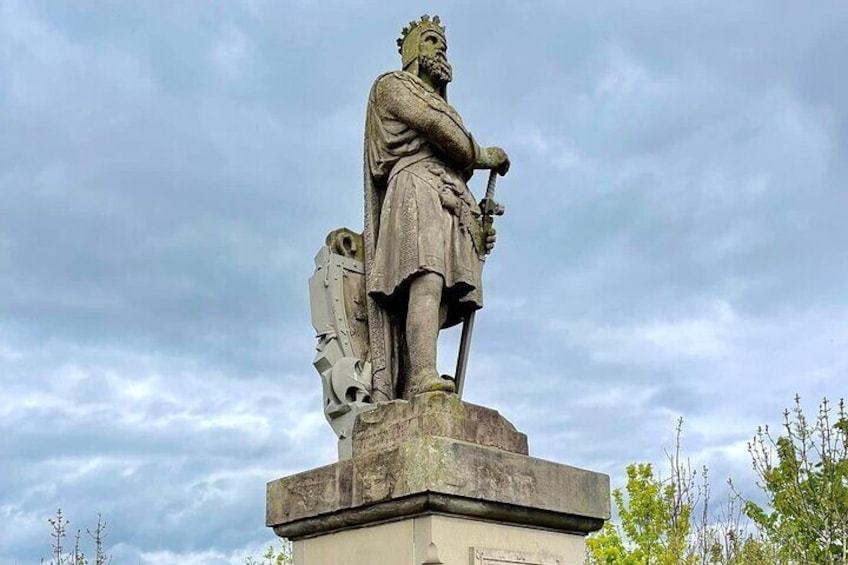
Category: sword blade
[464,348]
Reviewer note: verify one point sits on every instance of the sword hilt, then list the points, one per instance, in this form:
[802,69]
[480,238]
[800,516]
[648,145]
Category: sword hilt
[489,206]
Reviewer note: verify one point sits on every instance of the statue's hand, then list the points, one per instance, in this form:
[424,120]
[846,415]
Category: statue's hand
[490,236]
[494,158]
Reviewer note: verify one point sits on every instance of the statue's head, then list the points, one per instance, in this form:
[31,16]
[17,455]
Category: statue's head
[423,50]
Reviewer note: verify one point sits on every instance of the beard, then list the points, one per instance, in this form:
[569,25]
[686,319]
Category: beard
[437,67]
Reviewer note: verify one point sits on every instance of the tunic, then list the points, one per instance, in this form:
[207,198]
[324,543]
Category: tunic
[419,156]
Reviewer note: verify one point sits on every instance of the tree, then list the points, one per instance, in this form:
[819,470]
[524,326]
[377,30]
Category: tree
[727,537]
[655,517]
[654,523]
[98,536]
[804,474]
[58,525]
[669,521]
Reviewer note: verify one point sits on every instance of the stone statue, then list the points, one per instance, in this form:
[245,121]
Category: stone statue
[417,266]
[424,239]
[423,478]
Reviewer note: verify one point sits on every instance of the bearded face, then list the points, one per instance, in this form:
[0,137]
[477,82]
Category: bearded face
[436,65]
[433,58]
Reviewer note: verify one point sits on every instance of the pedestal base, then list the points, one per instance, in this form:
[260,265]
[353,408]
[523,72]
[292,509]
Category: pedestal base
[437,481]
[433,540]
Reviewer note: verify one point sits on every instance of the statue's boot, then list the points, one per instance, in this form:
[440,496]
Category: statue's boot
[431,382]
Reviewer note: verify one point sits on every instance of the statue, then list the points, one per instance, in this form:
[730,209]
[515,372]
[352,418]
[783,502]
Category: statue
[380,299]
[411,451]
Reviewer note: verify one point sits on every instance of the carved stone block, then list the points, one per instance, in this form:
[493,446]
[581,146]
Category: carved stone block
[437,455]
[504,557]
[434,414]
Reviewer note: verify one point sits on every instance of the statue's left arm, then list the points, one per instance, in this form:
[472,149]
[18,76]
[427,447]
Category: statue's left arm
[404,98]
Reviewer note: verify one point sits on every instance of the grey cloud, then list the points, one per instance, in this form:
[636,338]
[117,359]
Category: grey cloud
[167,174]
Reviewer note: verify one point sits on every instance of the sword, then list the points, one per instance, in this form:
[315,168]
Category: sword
[490,208]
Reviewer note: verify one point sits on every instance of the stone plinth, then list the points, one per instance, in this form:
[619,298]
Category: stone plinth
[434,414]
[436,471]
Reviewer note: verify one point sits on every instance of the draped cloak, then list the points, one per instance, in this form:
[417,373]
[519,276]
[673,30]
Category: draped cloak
[419,214]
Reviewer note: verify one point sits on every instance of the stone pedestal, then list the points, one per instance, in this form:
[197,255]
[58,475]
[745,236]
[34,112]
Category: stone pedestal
[436,480]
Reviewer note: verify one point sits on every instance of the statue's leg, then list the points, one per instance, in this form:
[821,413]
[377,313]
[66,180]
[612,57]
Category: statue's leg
[422,333]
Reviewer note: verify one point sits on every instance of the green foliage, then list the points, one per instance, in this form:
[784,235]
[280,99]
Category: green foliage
[280,556]
[728,539]
[655,515]
[669,522]
[804,474]
[655,523]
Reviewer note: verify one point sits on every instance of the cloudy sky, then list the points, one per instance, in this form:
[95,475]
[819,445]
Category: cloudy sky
[674,243]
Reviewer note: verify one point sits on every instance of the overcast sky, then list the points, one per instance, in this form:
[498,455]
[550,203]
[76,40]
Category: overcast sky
[674,242]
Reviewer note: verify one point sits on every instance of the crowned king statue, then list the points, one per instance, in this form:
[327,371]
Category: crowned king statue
[380,298]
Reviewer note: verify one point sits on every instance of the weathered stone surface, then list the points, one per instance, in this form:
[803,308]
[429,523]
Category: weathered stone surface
[436,454]
[433,414]
[438,539]
[434,474]
[425,235]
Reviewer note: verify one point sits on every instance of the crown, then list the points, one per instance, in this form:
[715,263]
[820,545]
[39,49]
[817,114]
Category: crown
[426,23]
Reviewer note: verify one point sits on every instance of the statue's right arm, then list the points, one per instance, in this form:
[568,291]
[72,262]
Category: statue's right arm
[429,115]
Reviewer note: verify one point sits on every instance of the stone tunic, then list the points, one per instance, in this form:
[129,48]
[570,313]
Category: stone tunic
[419,150]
